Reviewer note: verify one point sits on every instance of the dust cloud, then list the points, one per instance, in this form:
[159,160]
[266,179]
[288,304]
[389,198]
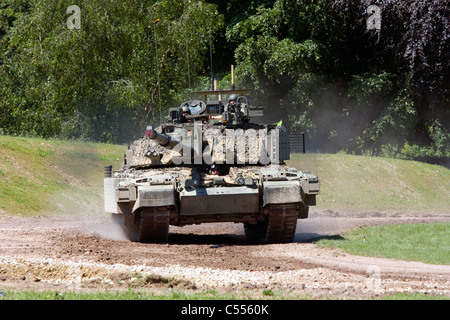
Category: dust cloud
[89,213]
[109,231]
[314,228]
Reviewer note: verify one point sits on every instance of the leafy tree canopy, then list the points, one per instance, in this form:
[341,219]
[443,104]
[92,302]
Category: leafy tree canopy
[317,65]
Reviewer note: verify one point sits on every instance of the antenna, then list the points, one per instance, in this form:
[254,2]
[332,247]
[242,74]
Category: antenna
[210,60]
[155,21]
[187,60]
[232,78]
[187,56]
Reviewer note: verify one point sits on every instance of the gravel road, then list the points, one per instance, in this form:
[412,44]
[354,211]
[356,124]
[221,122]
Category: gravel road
[88,253]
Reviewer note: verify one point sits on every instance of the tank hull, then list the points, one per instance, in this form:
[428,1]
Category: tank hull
[153,199]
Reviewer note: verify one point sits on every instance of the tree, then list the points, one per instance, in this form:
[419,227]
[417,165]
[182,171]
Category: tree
[102,81]
[274,50]
[349,86]
[412,44]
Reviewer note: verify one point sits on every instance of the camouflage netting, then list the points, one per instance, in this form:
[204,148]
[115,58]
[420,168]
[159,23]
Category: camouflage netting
[147,152]
[228,146]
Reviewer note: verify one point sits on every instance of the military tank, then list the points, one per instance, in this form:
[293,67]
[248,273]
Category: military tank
[209,163]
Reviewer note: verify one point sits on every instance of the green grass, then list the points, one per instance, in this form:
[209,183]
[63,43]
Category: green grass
[428,242]
[359,183]
[130,294]
[52,176]
[414,296]
[117,295]
[174,295]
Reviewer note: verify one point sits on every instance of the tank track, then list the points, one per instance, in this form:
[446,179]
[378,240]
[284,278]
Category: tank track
[150,224]
[278,227]
[154,224]
[282,223]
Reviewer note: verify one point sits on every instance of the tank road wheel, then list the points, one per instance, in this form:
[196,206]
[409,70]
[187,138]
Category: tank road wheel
[282,222]
[279,226]
[256,233]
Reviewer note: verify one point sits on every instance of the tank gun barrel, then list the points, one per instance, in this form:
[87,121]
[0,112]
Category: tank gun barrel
[162,139]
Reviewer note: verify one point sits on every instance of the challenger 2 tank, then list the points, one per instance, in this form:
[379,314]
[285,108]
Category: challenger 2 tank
[209,163]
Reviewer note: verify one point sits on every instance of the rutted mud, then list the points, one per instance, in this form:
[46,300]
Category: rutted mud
[89,253]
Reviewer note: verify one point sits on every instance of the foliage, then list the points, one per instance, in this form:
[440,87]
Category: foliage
[413,45]
[98,82]
[315,64]
[349,87]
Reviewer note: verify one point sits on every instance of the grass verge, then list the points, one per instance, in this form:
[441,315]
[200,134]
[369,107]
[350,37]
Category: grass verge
[428,242]
[131,294]
[52,176]
[207,295]
[352,183]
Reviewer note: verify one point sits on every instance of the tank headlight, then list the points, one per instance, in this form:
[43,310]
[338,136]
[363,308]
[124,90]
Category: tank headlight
[240,180]
[249,181]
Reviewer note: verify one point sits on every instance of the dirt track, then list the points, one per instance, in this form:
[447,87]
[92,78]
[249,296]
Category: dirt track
[89,253]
